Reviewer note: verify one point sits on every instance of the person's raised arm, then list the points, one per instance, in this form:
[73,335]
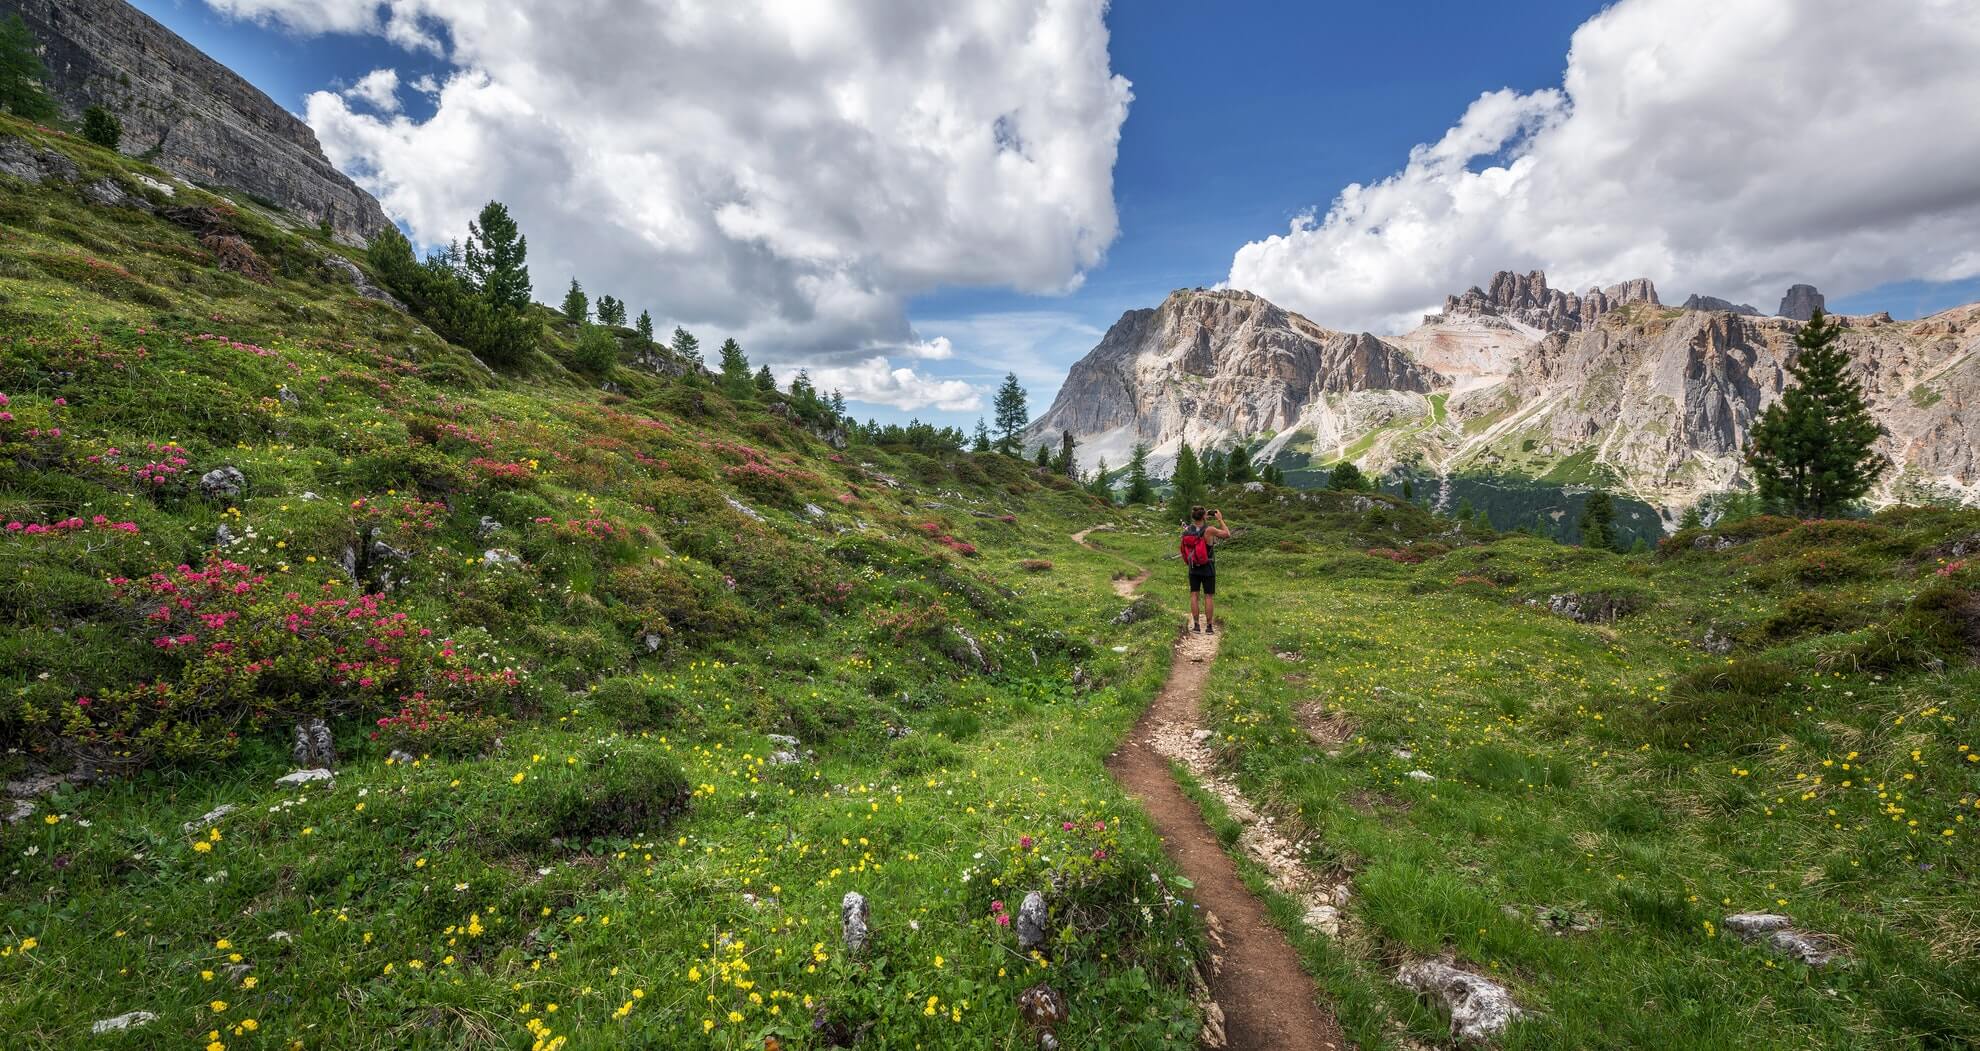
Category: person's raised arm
[1223,531]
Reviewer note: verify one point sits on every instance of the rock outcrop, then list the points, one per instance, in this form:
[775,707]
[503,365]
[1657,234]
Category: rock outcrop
[1800,303]
[1526,299]
[1698,302]
[1520,380]
[189,114]
[1207,365]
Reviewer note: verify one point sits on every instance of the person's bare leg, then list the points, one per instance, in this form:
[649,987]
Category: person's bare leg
[1210,612]
[1193,596]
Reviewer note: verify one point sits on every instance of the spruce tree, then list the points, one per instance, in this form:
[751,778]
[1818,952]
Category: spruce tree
[686,347]
[1693,518]
[1598,521]
[981,443]
[1097,485]
[21,72]
[838,402]
[1346,477]
[576,306]
[494,256]
[102,127]
[1238,468]
[1408,490]
[1010,412]
[765,382]
[645,328]
[734,366]
[1187,481]
[1140,489]
[1814,451]
[611,310]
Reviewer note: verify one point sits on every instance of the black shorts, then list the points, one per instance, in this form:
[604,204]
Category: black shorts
[1203,578]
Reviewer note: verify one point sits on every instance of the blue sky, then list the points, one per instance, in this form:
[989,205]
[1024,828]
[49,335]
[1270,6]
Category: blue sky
[1244,116]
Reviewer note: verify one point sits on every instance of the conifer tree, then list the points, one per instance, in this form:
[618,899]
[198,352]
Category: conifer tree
[1044,455]
[1187,481]
[102,127]
[981,443]
[611,310]
[686,347]
[1010,412]
[576,306]
[1813,452]
[645,328]
[1598,521]
[734,366]
[837,402]
[21,73]
[1346,477]
[1693,518]
[1408,490]
[1097,485]
[1140,490]
[765,382]
[494,257]
[1238,469]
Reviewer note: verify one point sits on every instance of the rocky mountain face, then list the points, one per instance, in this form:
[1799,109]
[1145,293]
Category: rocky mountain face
[1526,299]
[1518,380]
[189,114]
[1698,302]
[1206,365]
[1800,303]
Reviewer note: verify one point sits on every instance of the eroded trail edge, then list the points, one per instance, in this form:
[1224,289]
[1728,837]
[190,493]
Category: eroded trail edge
[1262,996]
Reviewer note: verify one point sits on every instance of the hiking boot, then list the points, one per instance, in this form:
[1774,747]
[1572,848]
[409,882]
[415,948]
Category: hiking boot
[1211,630]
[1193,627]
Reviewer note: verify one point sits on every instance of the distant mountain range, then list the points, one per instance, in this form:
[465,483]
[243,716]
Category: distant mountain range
[1609,387]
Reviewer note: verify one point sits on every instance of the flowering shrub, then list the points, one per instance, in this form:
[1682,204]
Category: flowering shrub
[160,469]
[935,533]
[424,726]
[230,650]
[501,472]
[72,525]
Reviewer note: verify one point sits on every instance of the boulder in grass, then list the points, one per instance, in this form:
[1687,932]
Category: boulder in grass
[127,1020]
[1032,923]
[222,483]
[855,920]
[1779,934]
[1480,1008]
[304,777]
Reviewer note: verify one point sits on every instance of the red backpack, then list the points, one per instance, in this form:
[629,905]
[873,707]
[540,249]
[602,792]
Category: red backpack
[1195,549]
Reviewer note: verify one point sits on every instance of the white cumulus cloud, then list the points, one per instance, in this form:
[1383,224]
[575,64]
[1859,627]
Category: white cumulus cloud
[876,381]
[789,172]
[937,349]
[1726,147]
[380,88]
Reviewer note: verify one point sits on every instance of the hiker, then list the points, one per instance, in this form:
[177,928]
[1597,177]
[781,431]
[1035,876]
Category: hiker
[1200,557]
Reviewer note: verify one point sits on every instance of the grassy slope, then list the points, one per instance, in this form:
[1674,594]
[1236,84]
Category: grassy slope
[1568,782]
[511,900]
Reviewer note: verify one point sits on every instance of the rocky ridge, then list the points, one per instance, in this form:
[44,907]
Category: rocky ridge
[189,114]
[1519,379]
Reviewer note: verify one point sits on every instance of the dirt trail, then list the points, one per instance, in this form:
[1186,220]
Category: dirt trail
[1265,998]
[1123,586]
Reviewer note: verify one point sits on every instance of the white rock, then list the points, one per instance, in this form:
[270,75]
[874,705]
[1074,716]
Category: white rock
[743,509]
[855,920]
[303,777]
[206,820]
[1031,922]
[127,1020]
[1480,1008]
[1324,918]
[281,936]
[1420,775]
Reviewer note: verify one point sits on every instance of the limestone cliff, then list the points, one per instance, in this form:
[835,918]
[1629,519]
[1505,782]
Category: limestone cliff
[1209,365]
[1518,379]
[189,114]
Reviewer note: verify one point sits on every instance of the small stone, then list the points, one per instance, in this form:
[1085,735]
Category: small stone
[742,509]
[1756,922]
[854,920]
[1480,1008]
[789,750]
[487,527]
[127,1020]
[1031,922]
[1324,918]
[399,756]
[303,777]
[287,396]
[208,819]
[1420,775]
[281,936]
[222,483]
[1201,737]
[497,558]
